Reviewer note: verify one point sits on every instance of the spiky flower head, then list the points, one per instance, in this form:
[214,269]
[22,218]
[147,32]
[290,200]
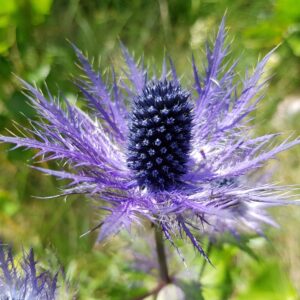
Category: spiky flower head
[159,135]
[22,279]
[151,148]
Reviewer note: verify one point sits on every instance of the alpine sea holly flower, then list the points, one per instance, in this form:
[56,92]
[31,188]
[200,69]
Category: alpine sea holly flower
[21,280]
[151,148]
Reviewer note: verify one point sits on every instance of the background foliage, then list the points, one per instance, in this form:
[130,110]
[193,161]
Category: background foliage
[33,45]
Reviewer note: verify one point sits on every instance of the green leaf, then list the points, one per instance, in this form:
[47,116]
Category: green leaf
[41,6]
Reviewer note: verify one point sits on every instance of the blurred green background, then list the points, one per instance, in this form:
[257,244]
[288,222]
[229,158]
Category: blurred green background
[33,45]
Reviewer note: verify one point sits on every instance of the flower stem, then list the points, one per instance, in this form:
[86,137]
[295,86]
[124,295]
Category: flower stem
[161,255]
[208,250]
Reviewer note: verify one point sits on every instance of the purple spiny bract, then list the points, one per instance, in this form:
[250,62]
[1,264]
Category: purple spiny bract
[178,156]
[21,280]
[159,135]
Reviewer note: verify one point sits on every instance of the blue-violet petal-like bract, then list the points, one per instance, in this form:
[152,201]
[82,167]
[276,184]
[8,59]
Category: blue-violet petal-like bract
[21,280]
[151,148]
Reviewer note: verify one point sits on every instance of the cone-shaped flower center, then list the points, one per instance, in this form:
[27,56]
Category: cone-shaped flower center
[159,135]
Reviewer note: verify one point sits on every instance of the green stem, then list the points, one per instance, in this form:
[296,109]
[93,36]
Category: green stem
[208,250]
[161,256]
